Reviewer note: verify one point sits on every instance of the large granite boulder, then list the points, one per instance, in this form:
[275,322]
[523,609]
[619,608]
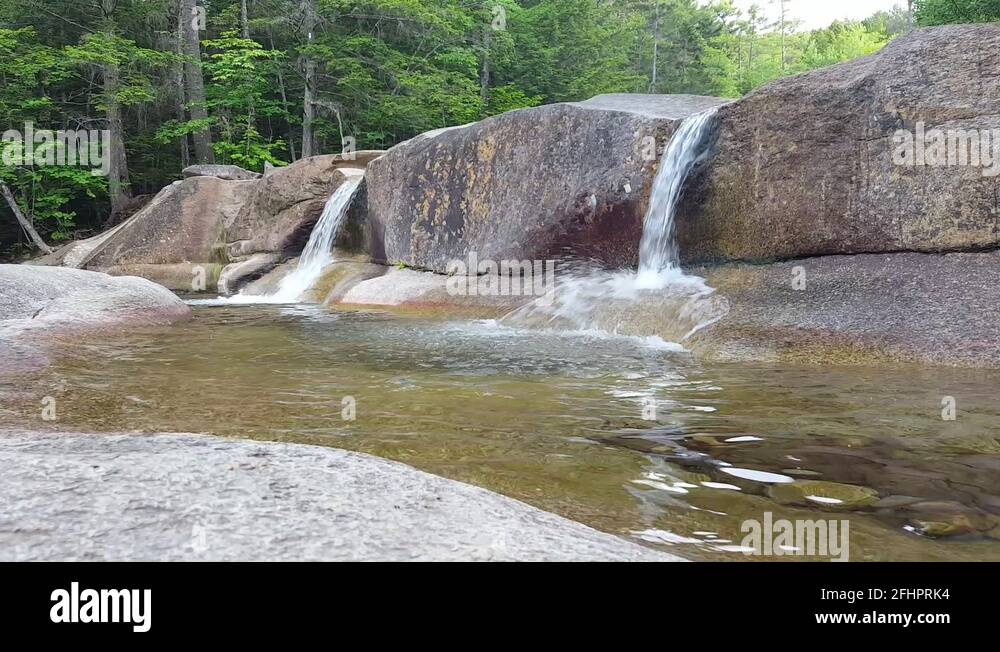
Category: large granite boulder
[33,298]
[564,179]
[183,224]
[804,166]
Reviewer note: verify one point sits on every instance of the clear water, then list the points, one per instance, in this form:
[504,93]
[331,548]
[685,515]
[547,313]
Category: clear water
[556,420]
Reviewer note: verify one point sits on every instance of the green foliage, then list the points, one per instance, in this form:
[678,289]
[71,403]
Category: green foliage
[840,42]
[944,12]
[44,192]
[239,71]
[385,71]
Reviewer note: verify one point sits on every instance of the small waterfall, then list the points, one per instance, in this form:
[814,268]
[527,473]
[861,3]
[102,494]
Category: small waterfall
[658,252]
[660,299]
[318,252]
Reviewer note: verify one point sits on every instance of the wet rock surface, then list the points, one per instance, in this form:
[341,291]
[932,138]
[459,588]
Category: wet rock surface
[935,309]
[557,180]
[51,297]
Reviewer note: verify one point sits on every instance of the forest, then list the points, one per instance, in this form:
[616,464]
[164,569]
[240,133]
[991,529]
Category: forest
[267,82]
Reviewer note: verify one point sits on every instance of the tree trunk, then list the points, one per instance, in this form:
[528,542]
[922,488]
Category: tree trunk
[195,82]
[24,222]
[118,177]
[179,81]
[245,19]
[656,49]
[309,67]
[284,103]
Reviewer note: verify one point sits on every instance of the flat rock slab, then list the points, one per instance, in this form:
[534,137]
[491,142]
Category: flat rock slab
[875,308]
[224,172]
[672,107]
[170,497]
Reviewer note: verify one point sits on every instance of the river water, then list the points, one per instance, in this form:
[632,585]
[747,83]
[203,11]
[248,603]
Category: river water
[628,435]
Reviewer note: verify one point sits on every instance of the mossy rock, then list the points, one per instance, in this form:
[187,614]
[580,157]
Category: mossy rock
[830,495]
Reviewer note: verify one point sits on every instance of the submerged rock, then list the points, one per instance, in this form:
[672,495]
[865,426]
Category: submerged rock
[947,519]
[804,166]
[191,497]
[534,184]
[826,495]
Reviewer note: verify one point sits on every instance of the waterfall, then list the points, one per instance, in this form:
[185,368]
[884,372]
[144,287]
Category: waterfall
[658,252]
[319,250]
[660,299]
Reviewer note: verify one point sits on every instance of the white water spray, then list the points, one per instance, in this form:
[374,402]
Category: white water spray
[660,299]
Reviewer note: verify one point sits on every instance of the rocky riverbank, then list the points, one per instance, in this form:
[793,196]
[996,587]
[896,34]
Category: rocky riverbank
[170,497]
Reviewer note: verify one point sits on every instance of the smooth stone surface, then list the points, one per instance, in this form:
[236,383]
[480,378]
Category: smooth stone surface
[864,309]
[180,277]
[182,224]
[196,497]
[413,291]
[34,298]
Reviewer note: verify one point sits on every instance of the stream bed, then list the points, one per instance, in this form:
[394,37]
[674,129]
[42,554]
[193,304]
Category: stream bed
[630,436]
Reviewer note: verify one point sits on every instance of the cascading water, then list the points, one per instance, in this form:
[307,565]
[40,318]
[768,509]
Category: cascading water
[658,252]
[319,250]
[658,300]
